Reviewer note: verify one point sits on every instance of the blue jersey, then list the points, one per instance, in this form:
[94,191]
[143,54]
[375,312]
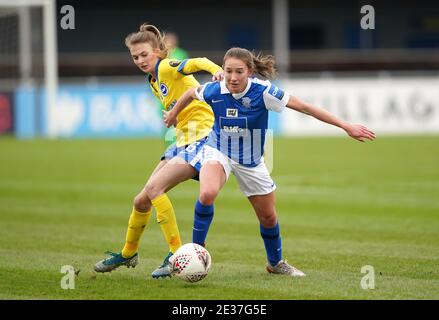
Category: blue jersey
[241,120]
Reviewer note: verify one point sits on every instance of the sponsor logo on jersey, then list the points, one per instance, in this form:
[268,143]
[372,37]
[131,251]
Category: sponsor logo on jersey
[164,89]
[172,104]
[236,127]
[233,129]
[232,113]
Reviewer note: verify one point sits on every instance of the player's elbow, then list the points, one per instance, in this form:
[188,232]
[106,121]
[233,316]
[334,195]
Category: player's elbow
[191,93]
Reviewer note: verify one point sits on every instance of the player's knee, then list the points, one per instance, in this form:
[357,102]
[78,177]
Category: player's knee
[268,221]
[142,203]
[207,197]
[153,191]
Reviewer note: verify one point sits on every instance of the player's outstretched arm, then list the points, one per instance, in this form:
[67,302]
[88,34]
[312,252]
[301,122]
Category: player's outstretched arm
[356,131]
[193,65]
[170,117]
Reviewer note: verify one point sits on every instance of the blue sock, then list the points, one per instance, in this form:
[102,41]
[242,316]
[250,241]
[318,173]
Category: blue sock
[202,218]
[273,243]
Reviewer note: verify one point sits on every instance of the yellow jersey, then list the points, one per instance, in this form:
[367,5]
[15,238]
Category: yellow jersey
[174,78]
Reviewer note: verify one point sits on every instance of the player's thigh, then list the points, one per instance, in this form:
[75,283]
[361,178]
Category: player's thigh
[172,173]
[253,180]
[264,206]
[160,165]
[214,172]
[142,201]
[212,178]
[183,164]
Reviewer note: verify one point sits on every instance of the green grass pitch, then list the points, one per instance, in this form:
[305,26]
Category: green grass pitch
[341,205]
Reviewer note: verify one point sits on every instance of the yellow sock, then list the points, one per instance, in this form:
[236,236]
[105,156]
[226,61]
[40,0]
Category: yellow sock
[167,221]
[136,225]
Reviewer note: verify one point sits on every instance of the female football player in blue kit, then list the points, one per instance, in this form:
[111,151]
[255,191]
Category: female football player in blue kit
[240,104]
[168,80]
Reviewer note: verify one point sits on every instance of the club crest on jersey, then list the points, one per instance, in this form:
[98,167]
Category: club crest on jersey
[232,113]
[164,89]
[246,101]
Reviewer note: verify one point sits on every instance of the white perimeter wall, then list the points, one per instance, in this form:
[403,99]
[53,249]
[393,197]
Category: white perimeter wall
[387,106]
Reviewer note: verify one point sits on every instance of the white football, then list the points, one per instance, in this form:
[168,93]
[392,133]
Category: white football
[191,262]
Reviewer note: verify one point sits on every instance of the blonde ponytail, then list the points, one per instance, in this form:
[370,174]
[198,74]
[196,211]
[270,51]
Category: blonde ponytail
[148,33]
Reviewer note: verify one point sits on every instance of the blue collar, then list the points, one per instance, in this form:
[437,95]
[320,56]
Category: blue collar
[156,72]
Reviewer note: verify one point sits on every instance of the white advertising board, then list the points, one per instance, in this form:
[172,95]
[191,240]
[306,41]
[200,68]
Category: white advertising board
[389,106]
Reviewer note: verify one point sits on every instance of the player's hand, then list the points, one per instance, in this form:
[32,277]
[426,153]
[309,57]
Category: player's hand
[169,119]
[218,76]
[359,132]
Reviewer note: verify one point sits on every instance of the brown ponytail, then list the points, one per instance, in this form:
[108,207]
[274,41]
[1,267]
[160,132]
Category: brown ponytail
[263,65]
[148,34]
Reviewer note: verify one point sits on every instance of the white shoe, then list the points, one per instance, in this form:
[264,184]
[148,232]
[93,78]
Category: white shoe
[283,267]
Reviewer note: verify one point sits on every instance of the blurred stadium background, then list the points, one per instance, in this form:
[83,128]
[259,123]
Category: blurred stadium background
[73,108]
[386,78]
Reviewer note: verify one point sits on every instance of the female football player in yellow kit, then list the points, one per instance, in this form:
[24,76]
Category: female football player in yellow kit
[168,80]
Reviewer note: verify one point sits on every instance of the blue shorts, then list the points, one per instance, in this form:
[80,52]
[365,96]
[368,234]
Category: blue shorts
[188,153]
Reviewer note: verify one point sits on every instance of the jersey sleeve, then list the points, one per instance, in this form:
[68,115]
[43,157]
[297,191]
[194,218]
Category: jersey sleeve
[189,66]
[205,92]
[275,99]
